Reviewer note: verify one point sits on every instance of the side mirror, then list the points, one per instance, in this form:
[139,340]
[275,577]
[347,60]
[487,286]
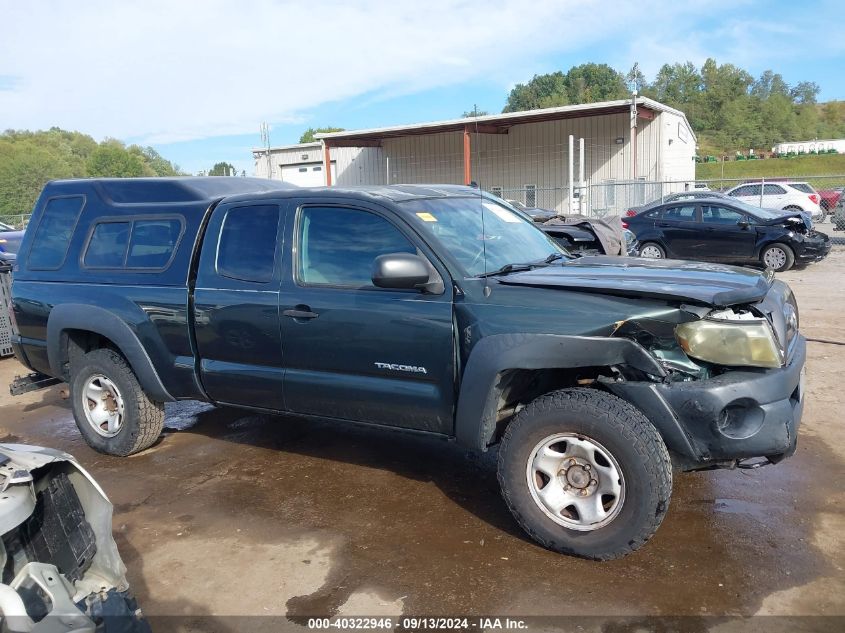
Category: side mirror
[743,223]
[401,271]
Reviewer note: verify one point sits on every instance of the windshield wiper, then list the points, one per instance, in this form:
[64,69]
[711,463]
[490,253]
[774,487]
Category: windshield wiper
[514,268]
[507,268]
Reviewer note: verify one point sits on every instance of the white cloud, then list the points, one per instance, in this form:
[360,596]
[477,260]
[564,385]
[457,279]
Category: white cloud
[164,71]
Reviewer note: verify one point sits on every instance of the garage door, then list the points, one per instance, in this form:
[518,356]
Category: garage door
[307,174]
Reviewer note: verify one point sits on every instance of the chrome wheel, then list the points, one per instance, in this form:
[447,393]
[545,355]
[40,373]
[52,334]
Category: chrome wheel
[651,251]
[575,481]
[775,258]
[103,405]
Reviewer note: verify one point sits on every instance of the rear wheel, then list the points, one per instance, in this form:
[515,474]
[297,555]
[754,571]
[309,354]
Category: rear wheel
[778,257]
[111,409]
[585,473]
[650,250]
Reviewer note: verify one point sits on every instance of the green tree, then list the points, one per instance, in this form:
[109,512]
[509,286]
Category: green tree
[111,159]
[29,159]
[222,169]
[308,135]
[586,83]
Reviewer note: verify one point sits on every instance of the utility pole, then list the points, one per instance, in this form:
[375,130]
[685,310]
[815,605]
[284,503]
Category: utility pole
[265,141]
[633,131]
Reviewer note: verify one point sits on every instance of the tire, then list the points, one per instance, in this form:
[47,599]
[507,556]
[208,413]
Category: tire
[626,441]
[780,256]
[656,251]
[140,419]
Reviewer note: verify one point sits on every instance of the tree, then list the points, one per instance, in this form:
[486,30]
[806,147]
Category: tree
[29,159]
[586,83]
[223,169]
[111,159]
[308,135]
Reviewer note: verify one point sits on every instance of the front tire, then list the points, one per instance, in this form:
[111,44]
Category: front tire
[585,473]
[778,257]
[111,409]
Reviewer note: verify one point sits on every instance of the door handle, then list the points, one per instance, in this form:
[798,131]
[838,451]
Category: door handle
[300,314]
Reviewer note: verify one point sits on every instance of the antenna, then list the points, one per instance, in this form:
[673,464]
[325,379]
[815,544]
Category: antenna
[487,289]
[265,142]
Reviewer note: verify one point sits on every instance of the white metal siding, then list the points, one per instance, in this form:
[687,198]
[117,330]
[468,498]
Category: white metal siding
[678,148]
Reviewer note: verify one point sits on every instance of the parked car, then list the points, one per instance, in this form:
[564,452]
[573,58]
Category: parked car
[439,310]
[588,237]
[10,242]
[732,232]
[61,570]
[830,198]
[786,195]
[696,194]
[838,218]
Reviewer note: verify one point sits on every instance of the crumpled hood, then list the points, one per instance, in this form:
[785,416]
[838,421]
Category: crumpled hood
[713,284]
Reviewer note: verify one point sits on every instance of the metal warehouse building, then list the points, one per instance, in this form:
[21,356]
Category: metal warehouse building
[628,145]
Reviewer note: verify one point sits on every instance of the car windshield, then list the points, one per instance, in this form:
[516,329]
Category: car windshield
[474,228]
[762,214]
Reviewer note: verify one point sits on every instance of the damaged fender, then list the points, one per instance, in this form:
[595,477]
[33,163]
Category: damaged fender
[475,421]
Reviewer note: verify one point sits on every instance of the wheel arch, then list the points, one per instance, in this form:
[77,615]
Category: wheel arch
[75,328]
[496,360]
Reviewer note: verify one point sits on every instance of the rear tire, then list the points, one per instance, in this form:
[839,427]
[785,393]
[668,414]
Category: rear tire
[652,250]
[610,489]
[778,257]
[111,409]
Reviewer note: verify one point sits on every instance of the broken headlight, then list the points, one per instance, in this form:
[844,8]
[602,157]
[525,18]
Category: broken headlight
[731,338]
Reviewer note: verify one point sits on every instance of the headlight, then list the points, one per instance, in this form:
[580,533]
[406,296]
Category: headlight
[748,342]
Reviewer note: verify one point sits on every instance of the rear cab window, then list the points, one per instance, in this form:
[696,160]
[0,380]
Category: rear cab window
[247,247]
[55,228]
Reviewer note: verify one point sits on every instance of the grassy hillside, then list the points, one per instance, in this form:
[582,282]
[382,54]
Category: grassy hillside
[803,166]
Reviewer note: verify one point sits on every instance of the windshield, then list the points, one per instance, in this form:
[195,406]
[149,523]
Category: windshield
[507,236]
[762,214]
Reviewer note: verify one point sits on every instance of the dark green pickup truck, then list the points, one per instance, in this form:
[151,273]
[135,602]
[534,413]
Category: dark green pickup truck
[434,309]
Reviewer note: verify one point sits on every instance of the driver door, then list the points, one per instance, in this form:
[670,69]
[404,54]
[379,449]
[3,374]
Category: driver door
[353,350]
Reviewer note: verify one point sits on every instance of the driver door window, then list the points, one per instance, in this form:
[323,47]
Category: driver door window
[337,246]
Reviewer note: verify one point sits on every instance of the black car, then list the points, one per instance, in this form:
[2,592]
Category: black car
[695,194]
[732,232]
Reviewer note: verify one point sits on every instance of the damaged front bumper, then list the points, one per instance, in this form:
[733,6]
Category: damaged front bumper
[61,570]
[729,418]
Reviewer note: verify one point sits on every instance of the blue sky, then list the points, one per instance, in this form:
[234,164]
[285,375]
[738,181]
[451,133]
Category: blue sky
[196,79]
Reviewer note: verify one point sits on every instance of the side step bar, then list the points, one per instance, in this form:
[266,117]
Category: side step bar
[31,382]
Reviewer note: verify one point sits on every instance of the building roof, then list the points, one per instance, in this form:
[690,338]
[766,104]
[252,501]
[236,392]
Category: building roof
[500,122]
[280,148]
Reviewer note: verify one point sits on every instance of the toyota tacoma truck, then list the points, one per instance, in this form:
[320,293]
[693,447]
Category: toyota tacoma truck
[435,309]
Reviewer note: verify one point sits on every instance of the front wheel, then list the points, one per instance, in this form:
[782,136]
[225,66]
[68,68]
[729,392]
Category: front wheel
[585,473]
[778,257]
[111,409]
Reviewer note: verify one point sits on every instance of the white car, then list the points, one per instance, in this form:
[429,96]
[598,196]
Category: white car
[785,195]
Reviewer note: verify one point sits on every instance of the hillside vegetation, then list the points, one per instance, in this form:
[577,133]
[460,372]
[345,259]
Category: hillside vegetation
[832,164]
[29,159]
[728,108]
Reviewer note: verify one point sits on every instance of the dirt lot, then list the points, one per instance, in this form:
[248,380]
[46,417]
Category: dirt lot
[235,513]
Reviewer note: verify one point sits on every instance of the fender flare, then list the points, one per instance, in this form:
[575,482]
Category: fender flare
[88,318]
[475,418]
